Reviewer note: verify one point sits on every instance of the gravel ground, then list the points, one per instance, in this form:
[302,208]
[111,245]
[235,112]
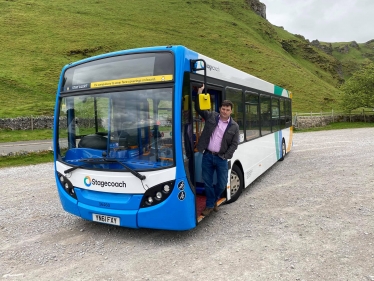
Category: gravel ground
[310,217]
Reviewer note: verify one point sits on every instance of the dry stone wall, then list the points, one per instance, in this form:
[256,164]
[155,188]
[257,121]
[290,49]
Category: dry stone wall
[305,122]
[27,123]
[300,122]
[41,122]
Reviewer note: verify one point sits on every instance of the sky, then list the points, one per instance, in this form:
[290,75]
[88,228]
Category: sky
[325,20]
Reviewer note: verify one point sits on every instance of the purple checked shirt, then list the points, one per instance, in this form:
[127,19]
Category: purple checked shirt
[216,137]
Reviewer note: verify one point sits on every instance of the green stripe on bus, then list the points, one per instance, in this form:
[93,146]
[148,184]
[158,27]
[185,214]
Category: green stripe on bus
[278,90]
[276,138]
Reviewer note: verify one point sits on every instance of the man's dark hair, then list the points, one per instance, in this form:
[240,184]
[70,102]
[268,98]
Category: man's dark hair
[227,103]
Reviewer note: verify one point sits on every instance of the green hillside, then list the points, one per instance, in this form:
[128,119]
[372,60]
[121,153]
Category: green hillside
[351,55]
[38,37]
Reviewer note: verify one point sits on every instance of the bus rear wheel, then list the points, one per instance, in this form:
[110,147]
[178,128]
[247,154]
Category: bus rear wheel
[236,183]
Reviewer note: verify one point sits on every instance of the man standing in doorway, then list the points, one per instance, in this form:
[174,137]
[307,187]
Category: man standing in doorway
[218,142]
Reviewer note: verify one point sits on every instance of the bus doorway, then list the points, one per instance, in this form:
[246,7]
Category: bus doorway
[196,128]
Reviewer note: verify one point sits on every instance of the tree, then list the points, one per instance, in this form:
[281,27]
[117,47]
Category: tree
[358,91]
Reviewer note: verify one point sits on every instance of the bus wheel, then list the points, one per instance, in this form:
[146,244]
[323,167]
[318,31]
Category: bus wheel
[283,151]
[236,183]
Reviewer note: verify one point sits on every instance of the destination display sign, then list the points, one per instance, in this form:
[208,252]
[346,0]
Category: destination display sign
[122,82]
[120,71]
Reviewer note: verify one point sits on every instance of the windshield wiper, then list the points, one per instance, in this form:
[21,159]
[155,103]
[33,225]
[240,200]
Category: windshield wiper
[89,161]
[103,161]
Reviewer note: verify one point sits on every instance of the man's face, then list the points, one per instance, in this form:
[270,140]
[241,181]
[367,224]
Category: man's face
[225,112]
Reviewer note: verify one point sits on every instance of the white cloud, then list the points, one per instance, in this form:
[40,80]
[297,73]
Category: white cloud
[325,20]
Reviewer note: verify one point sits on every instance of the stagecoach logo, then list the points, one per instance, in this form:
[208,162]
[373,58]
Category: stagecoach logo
[87,181]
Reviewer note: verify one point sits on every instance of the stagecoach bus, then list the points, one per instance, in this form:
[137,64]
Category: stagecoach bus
[126,130]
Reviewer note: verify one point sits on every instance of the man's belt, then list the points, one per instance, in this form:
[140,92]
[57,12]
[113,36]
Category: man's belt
[210,152]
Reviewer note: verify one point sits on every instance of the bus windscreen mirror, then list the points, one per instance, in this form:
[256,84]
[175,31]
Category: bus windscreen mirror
[204,101]
[185,103]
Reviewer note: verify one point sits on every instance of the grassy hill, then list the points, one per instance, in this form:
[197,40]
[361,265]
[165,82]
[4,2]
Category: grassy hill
[350,55]
[38,37]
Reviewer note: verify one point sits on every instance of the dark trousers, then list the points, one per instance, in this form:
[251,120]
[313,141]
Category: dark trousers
[210,164]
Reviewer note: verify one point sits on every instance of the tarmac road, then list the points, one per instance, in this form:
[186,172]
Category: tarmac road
[29,146]
[9,147]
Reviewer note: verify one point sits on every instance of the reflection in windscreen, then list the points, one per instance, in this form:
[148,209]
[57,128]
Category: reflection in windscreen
[134,127]
[114,70]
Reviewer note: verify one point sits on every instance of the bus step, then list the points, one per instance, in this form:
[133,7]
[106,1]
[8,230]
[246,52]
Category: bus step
[200,201]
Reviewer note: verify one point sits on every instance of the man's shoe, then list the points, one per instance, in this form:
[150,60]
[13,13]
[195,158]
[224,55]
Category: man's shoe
[215,207]
[207,211]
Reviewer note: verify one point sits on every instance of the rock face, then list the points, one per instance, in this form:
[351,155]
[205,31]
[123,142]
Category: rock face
[326,48]
[258,7]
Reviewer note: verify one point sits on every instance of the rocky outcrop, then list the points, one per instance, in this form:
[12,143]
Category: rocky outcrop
[354,45]
[258,7]
[345,49]
[326,48]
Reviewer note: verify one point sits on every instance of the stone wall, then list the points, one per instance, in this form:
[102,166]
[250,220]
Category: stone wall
[305,122]
[27,123]
[41,122]
[300,122]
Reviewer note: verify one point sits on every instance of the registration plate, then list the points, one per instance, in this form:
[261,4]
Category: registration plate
[105,219]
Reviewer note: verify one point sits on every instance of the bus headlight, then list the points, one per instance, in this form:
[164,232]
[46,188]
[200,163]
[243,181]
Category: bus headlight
[157,194]
[67,185]
[166,188]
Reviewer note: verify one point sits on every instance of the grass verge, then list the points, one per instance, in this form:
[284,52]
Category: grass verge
[337,126]
[25,135]
[25,159]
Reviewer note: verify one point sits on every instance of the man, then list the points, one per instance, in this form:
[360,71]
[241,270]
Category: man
[218,142]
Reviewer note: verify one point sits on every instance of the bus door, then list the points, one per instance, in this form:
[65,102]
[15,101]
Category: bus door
[197,127]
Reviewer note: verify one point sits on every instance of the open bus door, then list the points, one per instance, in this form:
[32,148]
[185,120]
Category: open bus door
[193,126]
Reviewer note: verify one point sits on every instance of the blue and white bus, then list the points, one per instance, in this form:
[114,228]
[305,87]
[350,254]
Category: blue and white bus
[126,130]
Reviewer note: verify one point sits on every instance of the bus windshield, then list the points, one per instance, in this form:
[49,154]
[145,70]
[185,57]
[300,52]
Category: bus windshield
[134,128]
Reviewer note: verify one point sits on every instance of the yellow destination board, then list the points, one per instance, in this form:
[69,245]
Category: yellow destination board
[129,81]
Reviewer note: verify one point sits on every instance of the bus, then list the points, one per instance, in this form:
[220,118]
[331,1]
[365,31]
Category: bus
[126,129]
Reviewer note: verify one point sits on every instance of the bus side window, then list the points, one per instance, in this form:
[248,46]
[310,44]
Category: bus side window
[265,111]
[252,123]
[236,97]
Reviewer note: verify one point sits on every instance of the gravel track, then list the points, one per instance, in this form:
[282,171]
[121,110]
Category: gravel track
[310,217]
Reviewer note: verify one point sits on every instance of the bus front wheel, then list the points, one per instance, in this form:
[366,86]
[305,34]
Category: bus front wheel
[236,183]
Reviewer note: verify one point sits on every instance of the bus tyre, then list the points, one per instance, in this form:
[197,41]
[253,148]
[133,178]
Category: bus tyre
[236,183]
[284,151]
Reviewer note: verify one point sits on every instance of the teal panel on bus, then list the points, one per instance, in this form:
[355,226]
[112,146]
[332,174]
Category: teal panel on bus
[278,90]
[278,143]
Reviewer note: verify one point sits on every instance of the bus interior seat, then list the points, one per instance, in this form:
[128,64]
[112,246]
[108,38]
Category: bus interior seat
[94,141]
[123,139]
